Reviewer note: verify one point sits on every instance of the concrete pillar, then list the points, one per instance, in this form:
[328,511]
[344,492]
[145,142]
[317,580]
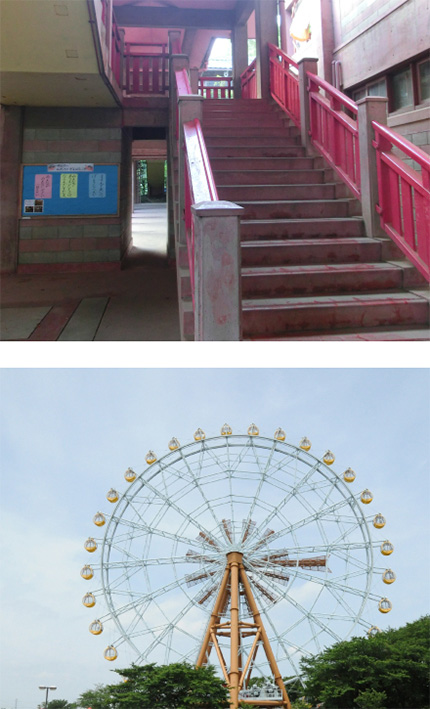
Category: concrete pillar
[305,64]
[218,297]
[284,30]
[194,80]
[239,38]
[371,108]
[266,32]
[11,126]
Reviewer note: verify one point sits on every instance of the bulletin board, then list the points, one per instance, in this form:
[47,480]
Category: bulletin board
[70,189]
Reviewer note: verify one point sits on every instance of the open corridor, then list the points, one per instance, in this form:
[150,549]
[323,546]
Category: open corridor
[138,302]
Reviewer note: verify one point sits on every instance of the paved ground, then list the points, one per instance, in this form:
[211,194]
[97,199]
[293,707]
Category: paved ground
[137,303]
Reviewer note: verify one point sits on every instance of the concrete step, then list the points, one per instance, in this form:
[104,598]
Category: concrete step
[228,164]
[267,177]
[294,209]
[298,228]
[310,251]
[245,119]
[244,142]
[245,131]
[280,316]
[235,193]
[375,334]
[287,281]
[255,151]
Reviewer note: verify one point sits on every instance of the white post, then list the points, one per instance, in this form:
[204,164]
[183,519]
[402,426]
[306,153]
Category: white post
[218,296]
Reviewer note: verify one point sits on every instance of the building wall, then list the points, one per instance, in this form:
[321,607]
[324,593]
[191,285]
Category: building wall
[10,160]
[53,135]
[373,38]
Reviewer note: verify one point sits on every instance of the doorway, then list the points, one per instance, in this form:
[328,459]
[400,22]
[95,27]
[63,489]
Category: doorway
[149,218]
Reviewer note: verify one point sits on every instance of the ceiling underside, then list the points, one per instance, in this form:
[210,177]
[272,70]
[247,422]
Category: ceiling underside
[47,47]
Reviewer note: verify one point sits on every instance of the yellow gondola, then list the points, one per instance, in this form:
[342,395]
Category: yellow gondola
[279,434]
[112,495]
[387,548]
[349,475]
[87,573]
[328,458]
[305,444]
[385,605]
[174,444]
[226,430]
[150,457]
[96,628]
[99,519]
[90,545]
[366,497]
[379,521]
[199,435]
[89,600]
[253,430]
[110,653]
[130,475]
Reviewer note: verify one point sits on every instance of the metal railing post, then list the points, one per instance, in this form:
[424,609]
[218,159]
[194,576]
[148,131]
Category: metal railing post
[371,108]
[218,296]
[306,64]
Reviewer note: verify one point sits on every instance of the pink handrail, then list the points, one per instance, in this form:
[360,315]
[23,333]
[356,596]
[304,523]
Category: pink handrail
[284,82]
[198,178]
[249,81]
[333,132]
[404,196]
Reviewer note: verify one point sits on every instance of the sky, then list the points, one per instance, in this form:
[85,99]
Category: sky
[68,435]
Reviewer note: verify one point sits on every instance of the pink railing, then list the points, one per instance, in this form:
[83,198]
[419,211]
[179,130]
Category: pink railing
[198,178]
[116,52]
[284,82]
[404,196]
[333,132]
[249,81]
[216,86]
[146,69]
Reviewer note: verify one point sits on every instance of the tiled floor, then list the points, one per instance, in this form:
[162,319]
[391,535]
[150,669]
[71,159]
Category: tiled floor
[137,303]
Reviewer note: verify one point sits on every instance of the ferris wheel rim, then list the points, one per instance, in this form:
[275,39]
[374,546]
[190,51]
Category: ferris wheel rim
[221,442]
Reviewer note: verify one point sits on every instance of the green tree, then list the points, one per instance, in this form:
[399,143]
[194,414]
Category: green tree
[371,699]
[59,704]
[394,665]
[98,698]
[176,686]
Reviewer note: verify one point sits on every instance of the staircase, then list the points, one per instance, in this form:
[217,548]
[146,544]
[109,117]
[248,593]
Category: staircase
[308,270]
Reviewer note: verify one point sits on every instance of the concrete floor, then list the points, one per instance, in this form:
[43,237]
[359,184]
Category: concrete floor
[137,303]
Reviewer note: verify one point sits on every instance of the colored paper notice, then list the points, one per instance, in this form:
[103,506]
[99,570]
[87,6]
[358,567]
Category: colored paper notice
[97,185]
[43,186]
[69,186]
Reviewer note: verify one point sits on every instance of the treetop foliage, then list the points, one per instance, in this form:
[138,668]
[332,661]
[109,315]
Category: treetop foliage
[387,671]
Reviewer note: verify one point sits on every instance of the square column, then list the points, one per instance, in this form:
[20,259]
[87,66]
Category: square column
[266,29]
[371,108]
[239,40]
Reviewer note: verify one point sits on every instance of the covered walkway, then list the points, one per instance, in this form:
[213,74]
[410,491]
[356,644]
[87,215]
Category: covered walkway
[137,303]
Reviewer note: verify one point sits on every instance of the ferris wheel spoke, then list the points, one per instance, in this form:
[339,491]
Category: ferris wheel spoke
[304,521]
[281,642]
[170,627]
[306,613]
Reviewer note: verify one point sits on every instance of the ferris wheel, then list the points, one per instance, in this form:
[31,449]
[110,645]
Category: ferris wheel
[242,551]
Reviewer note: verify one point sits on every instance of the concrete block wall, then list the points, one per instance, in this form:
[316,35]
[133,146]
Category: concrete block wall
[73,243]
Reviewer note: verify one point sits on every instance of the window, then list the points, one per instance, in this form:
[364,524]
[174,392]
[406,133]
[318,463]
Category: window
[402,91]
[424,80]
[406,88]
[379,88]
